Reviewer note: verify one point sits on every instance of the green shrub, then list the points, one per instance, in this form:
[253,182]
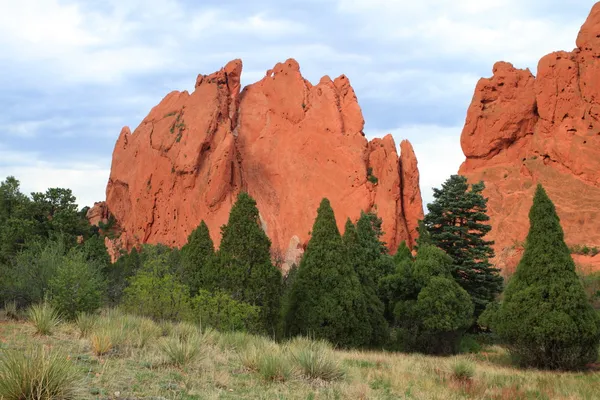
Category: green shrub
[316,359]
[76,287]
[545,319]
[181,349]
[85,323]
[463,370]
[219,311]
[469,344]
[37,374]
[44,318]
[12,311]
[431,310]
[156,293]
[275,366]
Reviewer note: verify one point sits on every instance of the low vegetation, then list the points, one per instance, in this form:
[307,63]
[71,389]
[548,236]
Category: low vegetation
[239,365]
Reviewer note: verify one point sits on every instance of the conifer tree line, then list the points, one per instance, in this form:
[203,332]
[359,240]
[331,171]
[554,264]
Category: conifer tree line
[346,289]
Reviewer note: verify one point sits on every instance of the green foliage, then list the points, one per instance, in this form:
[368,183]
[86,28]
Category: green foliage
[77,286]
[244,268]
[545,318]
[369,260]
[431,311]
[155,292]
[591,285]
[26,278]
[584,250]
[457,223]
[117,275]
[463,370]
[38,374]
[316,359]
[44,318]
[326,299]
[219,311]
[196,257]
[85,323]
[181,349]
[370,177]
[403,254]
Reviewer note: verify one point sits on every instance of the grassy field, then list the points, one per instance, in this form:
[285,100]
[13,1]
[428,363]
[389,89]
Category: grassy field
[117,356]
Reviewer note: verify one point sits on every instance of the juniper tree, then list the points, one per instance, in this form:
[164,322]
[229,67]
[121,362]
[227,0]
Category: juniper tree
[545,318]
[326,300]
[457,223]
[197,255]
[366,257]
[244,267]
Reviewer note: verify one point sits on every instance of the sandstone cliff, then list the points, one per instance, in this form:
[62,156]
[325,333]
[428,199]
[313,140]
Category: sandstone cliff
[283,140]
[522,130]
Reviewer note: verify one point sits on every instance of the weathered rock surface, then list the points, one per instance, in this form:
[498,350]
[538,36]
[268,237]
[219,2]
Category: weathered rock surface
[523,130]
[283,140]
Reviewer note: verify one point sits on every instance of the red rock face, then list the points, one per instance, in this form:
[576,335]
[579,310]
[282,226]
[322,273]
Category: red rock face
[523,130]
[284,141]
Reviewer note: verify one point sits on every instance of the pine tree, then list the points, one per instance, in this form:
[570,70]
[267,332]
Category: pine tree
[366,264]
[457,223]
[196,256]
[326,300]
[244,262]
[545,318]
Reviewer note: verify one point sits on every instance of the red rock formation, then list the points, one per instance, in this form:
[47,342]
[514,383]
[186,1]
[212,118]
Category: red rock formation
[523,130]
[287,142]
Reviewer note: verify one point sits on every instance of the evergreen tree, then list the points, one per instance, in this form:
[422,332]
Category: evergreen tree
[402,254]
[545,318]
[365,263]
[431,311]
[456,223]
[244,267]
[196,255]
[326,300]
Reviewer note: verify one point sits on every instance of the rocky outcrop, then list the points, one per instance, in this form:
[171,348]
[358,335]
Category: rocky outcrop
[286,142]
[522,130]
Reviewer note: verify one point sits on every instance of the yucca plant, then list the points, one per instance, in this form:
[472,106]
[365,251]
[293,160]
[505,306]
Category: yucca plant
[44,318]
[180,350]
[11,310]
[85,323]
[144,332]
[101,343]
[37,374]
[316,359]
[275,366]
[463,370]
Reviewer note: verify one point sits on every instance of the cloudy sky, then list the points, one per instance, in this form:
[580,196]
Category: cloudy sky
[74,72]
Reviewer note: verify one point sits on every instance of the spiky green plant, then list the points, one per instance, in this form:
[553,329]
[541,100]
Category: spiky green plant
[85,323]
[37,374]
[44,318]
[316,359]
[180,350]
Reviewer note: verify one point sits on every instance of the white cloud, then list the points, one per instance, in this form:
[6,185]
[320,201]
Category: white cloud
[484,30]
[87,180]
[438,152]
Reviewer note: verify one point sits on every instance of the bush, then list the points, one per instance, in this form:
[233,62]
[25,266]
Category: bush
[316,359]
[219,311]
[101,343]
[44,318]
[431,310]
[469,344]
[37,374]
[77,286]
[181,349]
[156,293]
[85,323]
[11,310]
[275,366]
[463,370]
[545,319]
